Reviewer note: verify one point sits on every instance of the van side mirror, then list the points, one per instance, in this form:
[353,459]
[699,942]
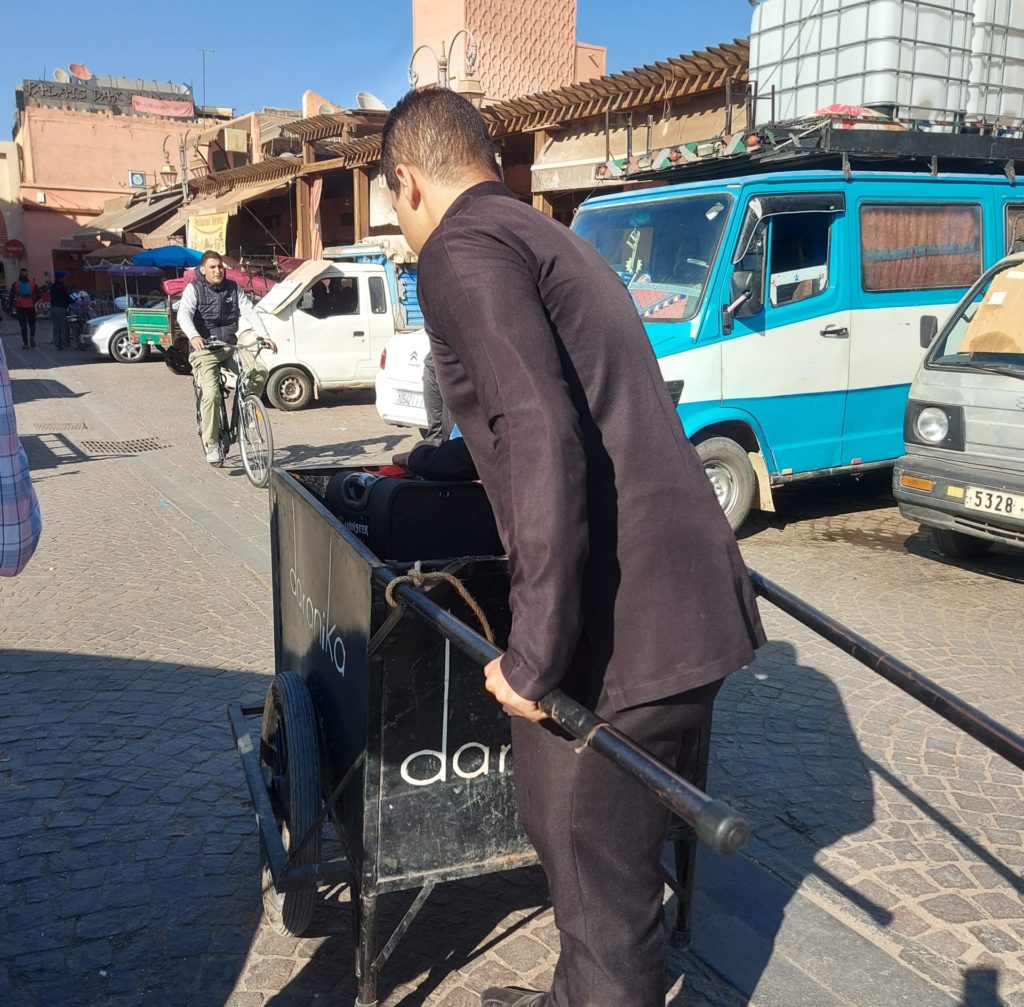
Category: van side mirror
[929,330]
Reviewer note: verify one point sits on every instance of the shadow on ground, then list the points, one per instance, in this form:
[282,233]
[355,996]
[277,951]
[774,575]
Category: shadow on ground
[809,501]
[129,853]
[126,839]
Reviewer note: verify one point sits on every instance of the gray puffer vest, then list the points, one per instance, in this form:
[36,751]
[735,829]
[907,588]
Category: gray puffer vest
[217,311]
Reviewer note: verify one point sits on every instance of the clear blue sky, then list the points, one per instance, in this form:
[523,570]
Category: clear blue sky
[269,53]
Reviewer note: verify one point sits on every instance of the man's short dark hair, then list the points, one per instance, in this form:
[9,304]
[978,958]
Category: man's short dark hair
[208,256]
[439,132]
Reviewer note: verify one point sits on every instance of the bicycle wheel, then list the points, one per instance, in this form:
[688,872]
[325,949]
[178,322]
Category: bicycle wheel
[199,417]
[256,440]
[225,426]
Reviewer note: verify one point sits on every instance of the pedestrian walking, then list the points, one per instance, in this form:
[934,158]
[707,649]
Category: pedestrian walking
[627,587]
[60,301]
[24,294]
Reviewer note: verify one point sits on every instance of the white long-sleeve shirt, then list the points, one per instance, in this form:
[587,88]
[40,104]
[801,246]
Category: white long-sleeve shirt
[190,301]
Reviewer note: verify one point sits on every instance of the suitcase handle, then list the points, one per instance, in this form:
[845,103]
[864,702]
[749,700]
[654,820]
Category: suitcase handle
[355,489]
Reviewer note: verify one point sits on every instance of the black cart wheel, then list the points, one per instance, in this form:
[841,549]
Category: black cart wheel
[732,477]
[958,545]
[291,769]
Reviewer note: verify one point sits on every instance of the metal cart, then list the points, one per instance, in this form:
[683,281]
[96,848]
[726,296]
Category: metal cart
[378,721]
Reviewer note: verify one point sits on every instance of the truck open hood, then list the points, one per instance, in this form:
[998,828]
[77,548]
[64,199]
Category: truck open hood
[290,289]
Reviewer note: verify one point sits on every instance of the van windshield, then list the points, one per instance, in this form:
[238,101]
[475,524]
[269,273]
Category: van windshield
[987,333]
[664,251]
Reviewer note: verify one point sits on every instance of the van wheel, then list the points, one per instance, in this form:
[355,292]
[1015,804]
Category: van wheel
[731,475]
[290,388]
[958,545]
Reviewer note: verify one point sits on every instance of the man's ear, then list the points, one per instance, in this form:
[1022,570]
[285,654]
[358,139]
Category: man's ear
[408,185]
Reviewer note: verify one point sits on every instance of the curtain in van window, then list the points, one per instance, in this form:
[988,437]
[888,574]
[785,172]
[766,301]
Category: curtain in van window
[1014,229]
[920,247]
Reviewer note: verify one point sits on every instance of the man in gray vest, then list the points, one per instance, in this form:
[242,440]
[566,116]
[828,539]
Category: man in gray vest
[209,312]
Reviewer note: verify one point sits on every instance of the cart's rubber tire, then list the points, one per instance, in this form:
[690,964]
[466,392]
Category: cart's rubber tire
[290,760]
[255,441]
[290,388]
[124,351]
[958,545]
[732,477]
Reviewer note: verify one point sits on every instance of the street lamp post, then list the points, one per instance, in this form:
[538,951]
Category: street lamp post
[168,172]
[468,85]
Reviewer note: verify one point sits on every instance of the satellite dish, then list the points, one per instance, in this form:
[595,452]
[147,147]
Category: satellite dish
[370,102]
[61,76]
[325,108]
[81,71]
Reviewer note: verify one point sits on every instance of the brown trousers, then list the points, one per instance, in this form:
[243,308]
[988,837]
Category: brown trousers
[599,835]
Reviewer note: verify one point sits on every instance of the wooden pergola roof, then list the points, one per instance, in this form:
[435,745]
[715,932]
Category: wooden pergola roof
[250,174]
[680,76]
[333,125]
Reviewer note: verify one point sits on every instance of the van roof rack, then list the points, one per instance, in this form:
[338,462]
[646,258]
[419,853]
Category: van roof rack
[819,143]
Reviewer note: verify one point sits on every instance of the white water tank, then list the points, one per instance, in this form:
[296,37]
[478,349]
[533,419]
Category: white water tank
[995,91]
[913,56]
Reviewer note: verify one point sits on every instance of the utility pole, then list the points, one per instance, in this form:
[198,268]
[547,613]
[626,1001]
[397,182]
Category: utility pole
[204,52]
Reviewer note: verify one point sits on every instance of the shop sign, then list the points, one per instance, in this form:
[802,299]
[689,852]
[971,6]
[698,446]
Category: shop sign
[207,232]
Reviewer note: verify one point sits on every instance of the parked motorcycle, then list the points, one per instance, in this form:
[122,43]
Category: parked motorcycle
[79,314]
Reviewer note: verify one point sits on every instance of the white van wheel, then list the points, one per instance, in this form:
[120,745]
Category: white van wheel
[290,388]
[958,545]
[731,475]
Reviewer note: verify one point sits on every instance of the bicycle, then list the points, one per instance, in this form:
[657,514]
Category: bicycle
[249,425]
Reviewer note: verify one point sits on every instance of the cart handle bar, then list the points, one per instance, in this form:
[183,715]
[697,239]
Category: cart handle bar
[979,725]
[723,829]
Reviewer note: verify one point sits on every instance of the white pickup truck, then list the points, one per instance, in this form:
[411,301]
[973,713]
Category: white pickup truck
[331,321]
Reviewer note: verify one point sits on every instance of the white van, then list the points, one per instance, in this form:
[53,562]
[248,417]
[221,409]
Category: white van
[331,322]
[963,471]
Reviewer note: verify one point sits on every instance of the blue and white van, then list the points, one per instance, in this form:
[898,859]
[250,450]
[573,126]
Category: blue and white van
[789,309]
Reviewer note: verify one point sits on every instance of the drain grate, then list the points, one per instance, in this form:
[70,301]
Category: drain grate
[122,447]
[57,428]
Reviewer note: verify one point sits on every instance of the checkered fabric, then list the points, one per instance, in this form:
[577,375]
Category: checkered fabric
[20,519]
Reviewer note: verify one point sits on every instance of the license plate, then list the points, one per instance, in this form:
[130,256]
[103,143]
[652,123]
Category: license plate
[414,399]
[993,502]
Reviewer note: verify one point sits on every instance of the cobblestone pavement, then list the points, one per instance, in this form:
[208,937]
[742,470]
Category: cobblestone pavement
[127,846]
[893,818]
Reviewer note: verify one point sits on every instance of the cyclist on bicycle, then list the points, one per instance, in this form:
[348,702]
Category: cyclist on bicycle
[209,312]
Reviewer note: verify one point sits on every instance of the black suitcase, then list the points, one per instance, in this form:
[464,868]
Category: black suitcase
[410,519]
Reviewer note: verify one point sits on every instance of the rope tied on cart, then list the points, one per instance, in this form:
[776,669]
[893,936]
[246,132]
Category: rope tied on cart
[419,578]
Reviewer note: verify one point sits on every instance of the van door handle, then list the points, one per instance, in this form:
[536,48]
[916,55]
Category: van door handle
[358,332]
[835,332]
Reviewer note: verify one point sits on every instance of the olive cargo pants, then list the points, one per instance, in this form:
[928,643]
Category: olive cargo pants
[205,364]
